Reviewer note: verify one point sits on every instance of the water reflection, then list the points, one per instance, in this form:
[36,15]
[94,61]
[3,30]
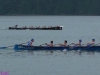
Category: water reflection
[45,53]
[59,52]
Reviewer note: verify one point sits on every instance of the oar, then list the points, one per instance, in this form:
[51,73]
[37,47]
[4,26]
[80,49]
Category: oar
[10,46]
[43,44]
[70,44]
[91,45]
[6,47]
[56,44]
[97,44]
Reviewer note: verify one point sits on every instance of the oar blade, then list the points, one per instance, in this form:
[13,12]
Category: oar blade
[3,47]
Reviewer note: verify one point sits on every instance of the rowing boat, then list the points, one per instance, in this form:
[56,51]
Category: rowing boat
[24,47]
[38,28]
[51,28]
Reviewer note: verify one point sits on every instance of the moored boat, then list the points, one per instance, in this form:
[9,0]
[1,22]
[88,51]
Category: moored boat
[36,48]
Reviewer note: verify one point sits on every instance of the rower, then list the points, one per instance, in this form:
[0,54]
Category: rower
[44,27]
[38,27]
[91,43]
[30,42]
[51,44]
[49,26]
[58,26]
[16,26]
[25,26]
[32,27]
[78,44]
[64,45]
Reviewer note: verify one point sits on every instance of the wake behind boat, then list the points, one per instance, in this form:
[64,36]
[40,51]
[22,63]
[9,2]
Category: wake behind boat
[4,28]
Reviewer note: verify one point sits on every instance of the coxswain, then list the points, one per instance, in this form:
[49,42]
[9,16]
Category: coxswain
[64,45]
[51,44]
[30,42]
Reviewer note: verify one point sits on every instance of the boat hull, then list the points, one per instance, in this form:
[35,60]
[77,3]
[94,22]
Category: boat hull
[53,28]
[36,48]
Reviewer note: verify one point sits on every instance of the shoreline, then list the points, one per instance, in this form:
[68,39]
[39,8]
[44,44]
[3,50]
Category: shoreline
[49,15]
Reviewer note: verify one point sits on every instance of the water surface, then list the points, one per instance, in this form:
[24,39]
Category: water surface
[45,62]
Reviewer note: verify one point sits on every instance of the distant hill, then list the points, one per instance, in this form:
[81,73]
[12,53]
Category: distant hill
[49,7]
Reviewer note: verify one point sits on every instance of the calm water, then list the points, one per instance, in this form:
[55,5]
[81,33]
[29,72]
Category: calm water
[46,63]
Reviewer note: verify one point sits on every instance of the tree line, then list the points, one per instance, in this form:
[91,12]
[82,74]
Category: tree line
[49,7]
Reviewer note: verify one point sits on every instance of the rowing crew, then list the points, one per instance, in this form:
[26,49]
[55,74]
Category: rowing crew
[35,26]
[64,44]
